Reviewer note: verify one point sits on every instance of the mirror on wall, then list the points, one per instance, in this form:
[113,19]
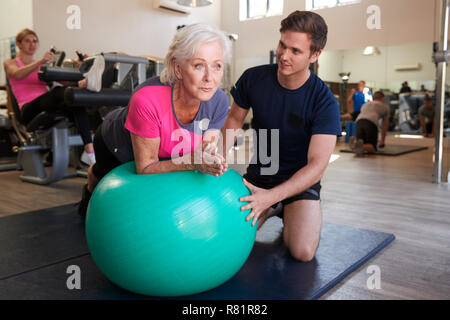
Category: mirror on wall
[404,73]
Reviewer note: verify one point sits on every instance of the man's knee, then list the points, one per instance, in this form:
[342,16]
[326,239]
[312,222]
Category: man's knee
[302,225]
[304,253]
[370,148]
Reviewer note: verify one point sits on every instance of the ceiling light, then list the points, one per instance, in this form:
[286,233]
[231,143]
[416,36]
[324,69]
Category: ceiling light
[370,51]
[344,76]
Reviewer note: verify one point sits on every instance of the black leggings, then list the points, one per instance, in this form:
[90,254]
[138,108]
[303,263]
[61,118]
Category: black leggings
[54,101]
[105,160]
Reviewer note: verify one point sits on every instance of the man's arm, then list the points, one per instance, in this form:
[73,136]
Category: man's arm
[320,149]
[234,121]
[350,101]
[433,126]
[422,125]
[384,128]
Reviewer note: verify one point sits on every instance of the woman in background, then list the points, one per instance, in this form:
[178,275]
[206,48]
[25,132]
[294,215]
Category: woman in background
[33,96]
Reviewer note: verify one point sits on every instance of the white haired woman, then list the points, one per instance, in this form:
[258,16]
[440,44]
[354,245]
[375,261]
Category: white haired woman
[173,119]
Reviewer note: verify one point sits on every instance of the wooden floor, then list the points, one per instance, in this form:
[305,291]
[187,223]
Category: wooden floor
[388,194]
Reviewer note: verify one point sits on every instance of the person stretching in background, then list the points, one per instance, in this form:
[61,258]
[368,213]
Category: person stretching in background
[366,139]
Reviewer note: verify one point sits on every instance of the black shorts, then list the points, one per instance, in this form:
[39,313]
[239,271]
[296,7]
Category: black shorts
[367,131]
[269,182]
[105,160]
[355,114]
[429,127]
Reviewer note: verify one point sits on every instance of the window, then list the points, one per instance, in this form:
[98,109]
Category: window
[255,9]
[320,4]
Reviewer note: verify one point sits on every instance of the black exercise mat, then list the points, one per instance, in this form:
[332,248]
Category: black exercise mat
[269,273]
[392,150]
[40,238]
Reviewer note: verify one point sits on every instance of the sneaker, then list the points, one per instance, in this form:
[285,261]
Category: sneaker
[95,73]
[357,145]
[88,158]
[83,205]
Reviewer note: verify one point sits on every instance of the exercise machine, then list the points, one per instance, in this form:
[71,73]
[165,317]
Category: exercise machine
[52,132]
[408,113]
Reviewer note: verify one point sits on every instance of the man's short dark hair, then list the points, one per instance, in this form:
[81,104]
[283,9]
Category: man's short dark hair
[378,95]
[310,23]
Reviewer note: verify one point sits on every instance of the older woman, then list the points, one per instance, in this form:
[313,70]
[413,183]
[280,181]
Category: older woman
[32,94]
[172,122]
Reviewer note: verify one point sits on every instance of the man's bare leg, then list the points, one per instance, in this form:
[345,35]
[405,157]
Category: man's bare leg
[302,225]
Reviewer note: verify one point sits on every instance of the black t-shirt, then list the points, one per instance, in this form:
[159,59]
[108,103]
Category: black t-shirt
[405,89]
[297,114]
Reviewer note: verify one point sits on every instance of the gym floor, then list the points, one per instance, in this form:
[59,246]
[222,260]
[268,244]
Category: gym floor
[382,193]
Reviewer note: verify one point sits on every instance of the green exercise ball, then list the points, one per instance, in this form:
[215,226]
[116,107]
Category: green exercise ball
[170,234]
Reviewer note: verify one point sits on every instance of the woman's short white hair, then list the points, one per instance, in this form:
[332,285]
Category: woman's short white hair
[185,44]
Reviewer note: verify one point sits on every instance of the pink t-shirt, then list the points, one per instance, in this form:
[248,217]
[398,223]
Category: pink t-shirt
[151,115]
[28,88]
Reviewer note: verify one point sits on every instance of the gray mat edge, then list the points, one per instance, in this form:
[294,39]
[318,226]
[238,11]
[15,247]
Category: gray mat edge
[389,154]
[354,267]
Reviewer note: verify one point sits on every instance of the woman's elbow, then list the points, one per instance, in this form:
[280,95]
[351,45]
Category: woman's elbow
[140,169]
[16,75]
[145,168]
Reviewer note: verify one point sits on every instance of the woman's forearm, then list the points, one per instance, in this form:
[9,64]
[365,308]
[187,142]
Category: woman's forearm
[184,163]
[24,71]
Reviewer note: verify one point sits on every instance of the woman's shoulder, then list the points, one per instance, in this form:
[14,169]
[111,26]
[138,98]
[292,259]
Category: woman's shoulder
[220,94]
[153,82]
[218,100]
[152,94]
[152,88]
[10,66]
[9,62]
[217,105]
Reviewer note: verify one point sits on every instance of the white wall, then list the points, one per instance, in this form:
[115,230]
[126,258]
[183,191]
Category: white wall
[330,65]
[378,70]
[402,22]
[15,15]
[130,26]
[134,27]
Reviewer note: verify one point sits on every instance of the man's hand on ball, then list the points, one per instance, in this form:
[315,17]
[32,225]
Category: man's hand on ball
[259,201]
